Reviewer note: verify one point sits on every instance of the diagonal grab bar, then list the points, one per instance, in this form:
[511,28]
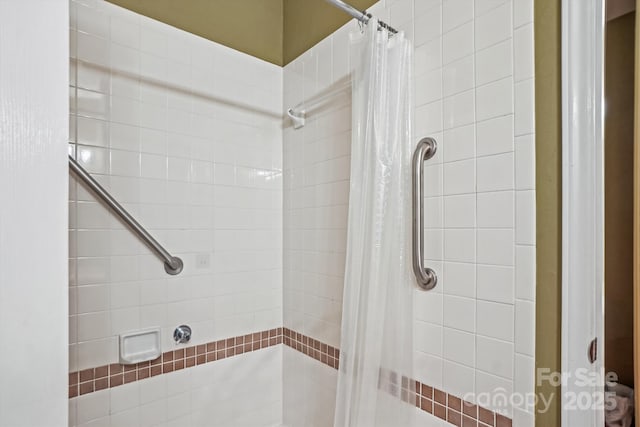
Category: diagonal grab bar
[172,265]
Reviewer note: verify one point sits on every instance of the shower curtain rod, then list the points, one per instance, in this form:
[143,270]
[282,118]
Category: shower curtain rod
[297,114]
[361,16]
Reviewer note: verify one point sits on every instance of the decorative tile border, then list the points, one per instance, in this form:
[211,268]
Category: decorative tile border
[311,347]
[436,402]
[445,406]
[456,411]
[114,375]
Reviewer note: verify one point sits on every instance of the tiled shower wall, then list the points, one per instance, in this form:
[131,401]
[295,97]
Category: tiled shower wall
[474,333]
[186,134]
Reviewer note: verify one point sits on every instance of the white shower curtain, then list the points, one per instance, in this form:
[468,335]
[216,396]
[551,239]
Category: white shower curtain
[377,335]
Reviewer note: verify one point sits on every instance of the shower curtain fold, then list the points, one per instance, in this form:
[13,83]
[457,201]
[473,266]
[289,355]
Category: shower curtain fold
[374,386]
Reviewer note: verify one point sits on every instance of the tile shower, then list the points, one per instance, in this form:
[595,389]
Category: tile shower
[189,136]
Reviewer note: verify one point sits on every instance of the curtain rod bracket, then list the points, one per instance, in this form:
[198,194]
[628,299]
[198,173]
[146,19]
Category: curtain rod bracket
[298,119]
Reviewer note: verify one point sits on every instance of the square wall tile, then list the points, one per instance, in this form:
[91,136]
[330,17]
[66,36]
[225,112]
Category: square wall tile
[496,209]
[496,283]
[459,313]
[495,136]
[428,87]
[458,379]
[428,369]
[428,306]
[457,43]
[495,357]
[428,338]
[493,385]
[495,320]
[458,76]
[493,27]
[460,211]
[458,110]
[459,347]
[459,177]
[494,63]
[456,13]
[428,56]
[496,246]
[459,279]
[459,143]
[494,99]
[495,173]
[460,245]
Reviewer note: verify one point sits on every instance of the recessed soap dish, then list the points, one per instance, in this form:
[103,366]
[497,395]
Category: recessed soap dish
[139,346]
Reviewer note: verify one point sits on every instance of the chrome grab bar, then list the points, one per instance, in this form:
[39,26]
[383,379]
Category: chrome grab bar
[426,277]
[172,265]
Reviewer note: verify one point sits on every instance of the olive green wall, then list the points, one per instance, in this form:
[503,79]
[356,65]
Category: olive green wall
[277,31]
[306,22]
[548,115]
[251,26]
[618,196]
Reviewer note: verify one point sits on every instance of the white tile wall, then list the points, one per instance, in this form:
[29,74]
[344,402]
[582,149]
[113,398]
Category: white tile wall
[245,390]
[474,94]
[316,160]
[309,394]
[309,390]
[187,135]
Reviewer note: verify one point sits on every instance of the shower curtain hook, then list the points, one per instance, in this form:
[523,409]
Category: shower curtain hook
[361,25]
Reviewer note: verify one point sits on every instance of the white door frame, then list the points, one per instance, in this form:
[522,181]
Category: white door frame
[582,209]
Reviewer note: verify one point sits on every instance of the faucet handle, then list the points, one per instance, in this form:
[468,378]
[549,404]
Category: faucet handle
[182,334]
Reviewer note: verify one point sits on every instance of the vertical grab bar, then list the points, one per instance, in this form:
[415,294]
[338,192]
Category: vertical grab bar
[426,277]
